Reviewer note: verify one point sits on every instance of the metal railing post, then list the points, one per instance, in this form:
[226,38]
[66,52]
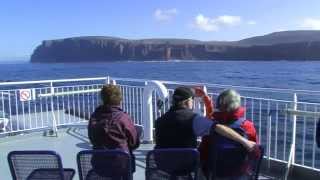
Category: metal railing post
[291,159]
[107,80]
[197,104]
[54,120]
[147,114]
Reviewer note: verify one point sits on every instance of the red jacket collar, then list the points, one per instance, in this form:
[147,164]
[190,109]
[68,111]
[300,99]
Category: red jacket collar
[224,117]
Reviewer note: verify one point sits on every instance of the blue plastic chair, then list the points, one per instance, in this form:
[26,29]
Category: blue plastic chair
[232,160]
[104,165]
[38,165]
[172,164]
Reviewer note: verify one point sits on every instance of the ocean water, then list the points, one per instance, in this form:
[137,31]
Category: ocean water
[276,74]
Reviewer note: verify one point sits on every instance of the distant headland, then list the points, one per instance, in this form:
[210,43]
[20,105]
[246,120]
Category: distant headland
[285,45]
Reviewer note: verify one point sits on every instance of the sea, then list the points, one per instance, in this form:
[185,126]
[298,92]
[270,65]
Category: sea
[267,74]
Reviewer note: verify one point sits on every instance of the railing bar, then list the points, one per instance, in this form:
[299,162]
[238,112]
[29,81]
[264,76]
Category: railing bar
[29,114]
[49,81]
[141,109]
[285,133]
[63,106]
[83,104]
[2,100]
[245,105]
[41,110]
[35,109]
[269,131]
[155,108]
[314,138]
[135,105]
[23,116]
[129,101]
[47,108]
[93,96]
[69,107]
[78,103]
[73,105]
[98,99]
[276,135]
[304,135]
[252,110]
[260,117]
[88,104]
[3,111]
[126,99]
[58,109]
[10,111]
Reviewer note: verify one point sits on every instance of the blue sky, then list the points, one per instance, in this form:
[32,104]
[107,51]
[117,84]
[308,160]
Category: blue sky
[25,23]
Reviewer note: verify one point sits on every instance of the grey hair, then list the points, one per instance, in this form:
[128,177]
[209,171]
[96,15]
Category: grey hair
[229,100]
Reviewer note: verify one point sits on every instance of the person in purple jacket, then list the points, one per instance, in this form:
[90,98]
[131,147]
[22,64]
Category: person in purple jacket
[110,127]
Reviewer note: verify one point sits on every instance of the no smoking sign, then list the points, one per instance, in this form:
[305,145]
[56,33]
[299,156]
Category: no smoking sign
[26,94]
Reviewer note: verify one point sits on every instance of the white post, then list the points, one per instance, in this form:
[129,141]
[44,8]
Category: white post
[197,104]
[108,80]
[294,128]
[291,159]
[147,115]
[54,121]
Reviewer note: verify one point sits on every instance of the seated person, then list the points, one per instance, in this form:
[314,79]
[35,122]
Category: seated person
[110,127]
[230,162]
[180,126]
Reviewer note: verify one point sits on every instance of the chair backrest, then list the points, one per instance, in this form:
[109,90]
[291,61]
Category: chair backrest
[226,158]
[24,163]
[232,159]
[172,164]
[104,165]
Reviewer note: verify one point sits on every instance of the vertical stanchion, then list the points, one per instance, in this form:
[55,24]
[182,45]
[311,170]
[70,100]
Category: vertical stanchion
[54,121]
[291,159]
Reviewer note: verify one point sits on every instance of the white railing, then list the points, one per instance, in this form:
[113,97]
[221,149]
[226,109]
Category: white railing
[286,127]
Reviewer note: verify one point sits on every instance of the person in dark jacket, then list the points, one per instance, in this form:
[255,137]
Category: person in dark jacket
[180,126]
[110,127]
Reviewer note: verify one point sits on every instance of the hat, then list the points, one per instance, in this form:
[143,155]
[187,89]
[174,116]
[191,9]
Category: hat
[182,93]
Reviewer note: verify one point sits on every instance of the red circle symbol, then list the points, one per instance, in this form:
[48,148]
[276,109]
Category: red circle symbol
[25,95]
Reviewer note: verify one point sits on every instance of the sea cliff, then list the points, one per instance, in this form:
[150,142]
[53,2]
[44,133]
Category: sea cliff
[286,45]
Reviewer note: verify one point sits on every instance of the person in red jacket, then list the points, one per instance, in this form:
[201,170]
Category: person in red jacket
[230,112]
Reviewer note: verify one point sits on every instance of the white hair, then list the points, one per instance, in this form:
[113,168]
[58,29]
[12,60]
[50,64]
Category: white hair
[229,100]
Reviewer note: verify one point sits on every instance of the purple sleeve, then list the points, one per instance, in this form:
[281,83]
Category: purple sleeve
[202,125]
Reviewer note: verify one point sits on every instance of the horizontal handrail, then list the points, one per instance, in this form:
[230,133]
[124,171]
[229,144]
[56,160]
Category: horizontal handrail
[261,89]
[51,81]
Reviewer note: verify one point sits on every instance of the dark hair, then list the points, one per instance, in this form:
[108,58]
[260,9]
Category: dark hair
[111,95]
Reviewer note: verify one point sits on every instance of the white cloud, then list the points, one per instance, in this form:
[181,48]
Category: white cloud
[228,20]
[204,23]
[251,22]
[311,23]
[165,15]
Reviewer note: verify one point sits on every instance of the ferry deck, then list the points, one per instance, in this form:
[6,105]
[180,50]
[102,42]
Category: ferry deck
[52,117]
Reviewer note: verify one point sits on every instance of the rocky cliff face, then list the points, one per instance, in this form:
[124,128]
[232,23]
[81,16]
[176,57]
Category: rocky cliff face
[297,45]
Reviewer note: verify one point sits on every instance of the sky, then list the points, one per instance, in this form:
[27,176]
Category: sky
[25,23]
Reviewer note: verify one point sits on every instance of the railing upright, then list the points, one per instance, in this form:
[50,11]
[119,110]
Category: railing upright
[54,120]
[148,106]
[291,159]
